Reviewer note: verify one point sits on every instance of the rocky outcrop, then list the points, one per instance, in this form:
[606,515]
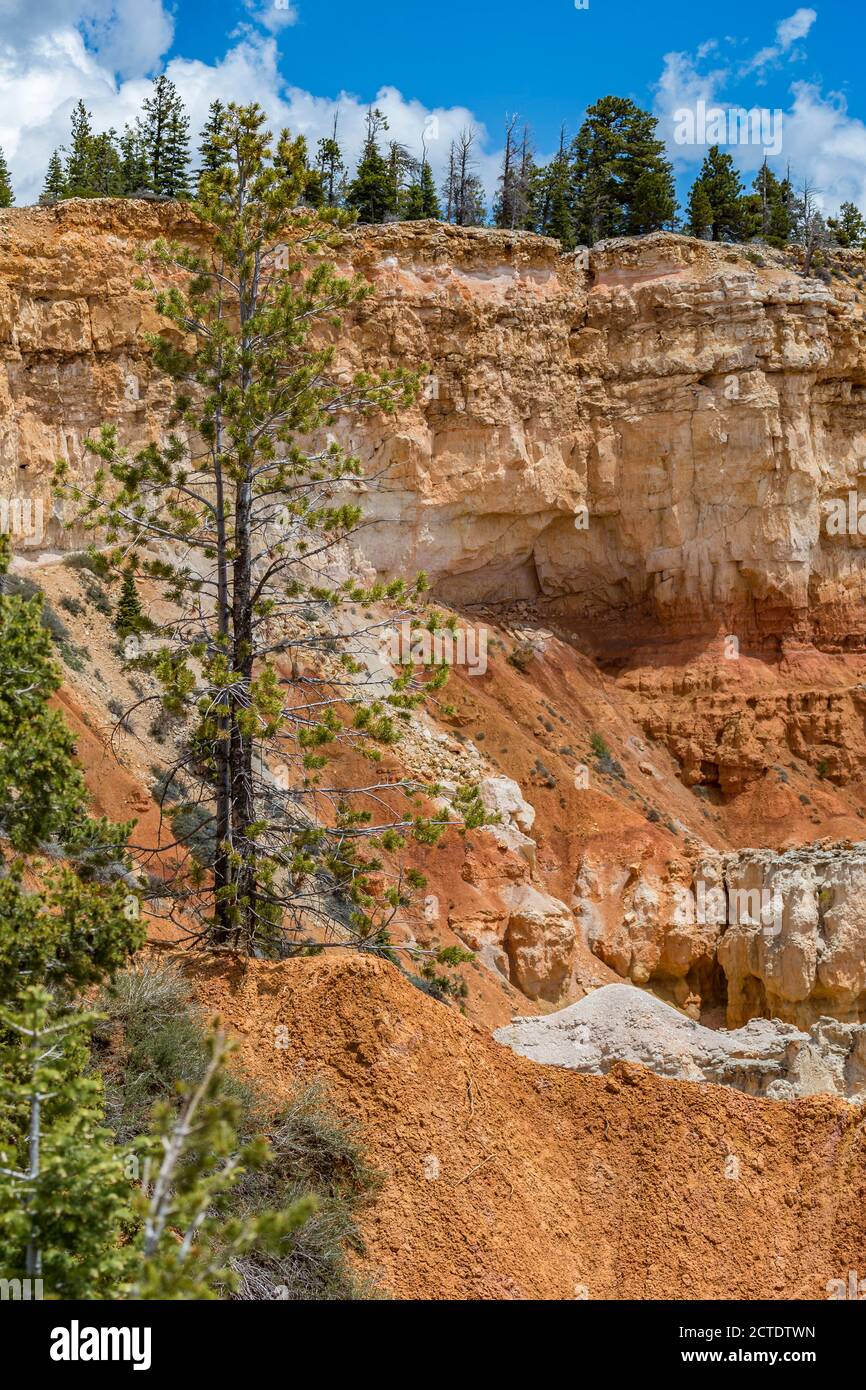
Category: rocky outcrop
[779,935]
[765,1058]
[655,430]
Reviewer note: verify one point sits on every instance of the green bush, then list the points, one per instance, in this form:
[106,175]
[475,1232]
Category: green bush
[154,1036]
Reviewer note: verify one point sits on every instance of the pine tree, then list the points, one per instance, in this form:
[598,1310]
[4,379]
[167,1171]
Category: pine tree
[653,203]
[723,189]
[164,131]
[212,155]
[7,197]
[64,1193]
[699,213]
[246,507]
[421,199]
[79,160]
[105,164]
[551,198]
[849,228]
[372,193]
[176,164]
[330,164]
[55,183]
[621,181]
[134,172]
[75,928]
[402,172]
[129,619]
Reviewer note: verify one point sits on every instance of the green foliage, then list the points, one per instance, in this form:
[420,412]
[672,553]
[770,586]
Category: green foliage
[373,192]
[716,203]
[598,746]
[265,280]
[7,197]
[621,181]
[129,618]
[64,1193]
[55,180]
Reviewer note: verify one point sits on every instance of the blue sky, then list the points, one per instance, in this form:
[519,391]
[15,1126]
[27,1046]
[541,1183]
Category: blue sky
[466,62]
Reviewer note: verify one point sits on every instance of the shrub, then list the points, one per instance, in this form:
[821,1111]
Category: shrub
[154,1036]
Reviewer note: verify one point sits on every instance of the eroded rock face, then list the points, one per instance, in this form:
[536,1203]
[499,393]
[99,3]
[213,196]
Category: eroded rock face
[787,931]
[619,1023]
[656,436]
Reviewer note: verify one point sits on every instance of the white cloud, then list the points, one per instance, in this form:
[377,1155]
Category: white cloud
[796,27]
[820,138]
[788,32]
[50,59]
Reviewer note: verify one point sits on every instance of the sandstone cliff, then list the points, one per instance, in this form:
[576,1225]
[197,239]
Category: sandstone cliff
[622,466]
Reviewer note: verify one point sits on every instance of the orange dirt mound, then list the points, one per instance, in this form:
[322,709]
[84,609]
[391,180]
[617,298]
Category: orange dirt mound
[506,1180]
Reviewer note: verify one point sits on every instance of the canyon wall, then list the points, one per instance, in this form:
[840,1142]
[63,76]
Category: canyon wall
[653,429]
[646,444]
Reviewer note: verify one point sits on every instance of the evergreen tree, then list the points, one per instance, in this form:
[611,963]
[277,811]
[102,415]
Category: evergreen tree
[129,618]
[212,155]
[55,183]
[329,162]
[372,193]
[176,162]
[699,212]
[64,1194]
[164,131]
[849,228]
[79,160]
[402,172]
[621,181]
[552,198]
[105,165]
[75,928]
[134,172]
[723,190]
[248,506]
[7,197]
[421,198]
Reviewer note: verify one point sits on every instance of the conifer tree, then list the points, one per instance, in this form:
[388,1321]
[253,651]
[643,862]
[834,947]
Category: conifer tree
[849,228]
[723,190]
[212,156]
[250,506]
[372,192]
[129,618]
[699,213]
[106,169]
[463,190]
[421,198]
[64,1192]
[621,181]
[134,172]
[164,131]
[7,197]
[329,161]
[55,183]
[176,177]
[79,160]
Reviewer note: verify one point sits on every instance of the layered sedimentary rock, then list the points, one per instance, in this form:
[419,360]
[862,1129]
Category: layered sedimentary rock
[780,935]
[656,429]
